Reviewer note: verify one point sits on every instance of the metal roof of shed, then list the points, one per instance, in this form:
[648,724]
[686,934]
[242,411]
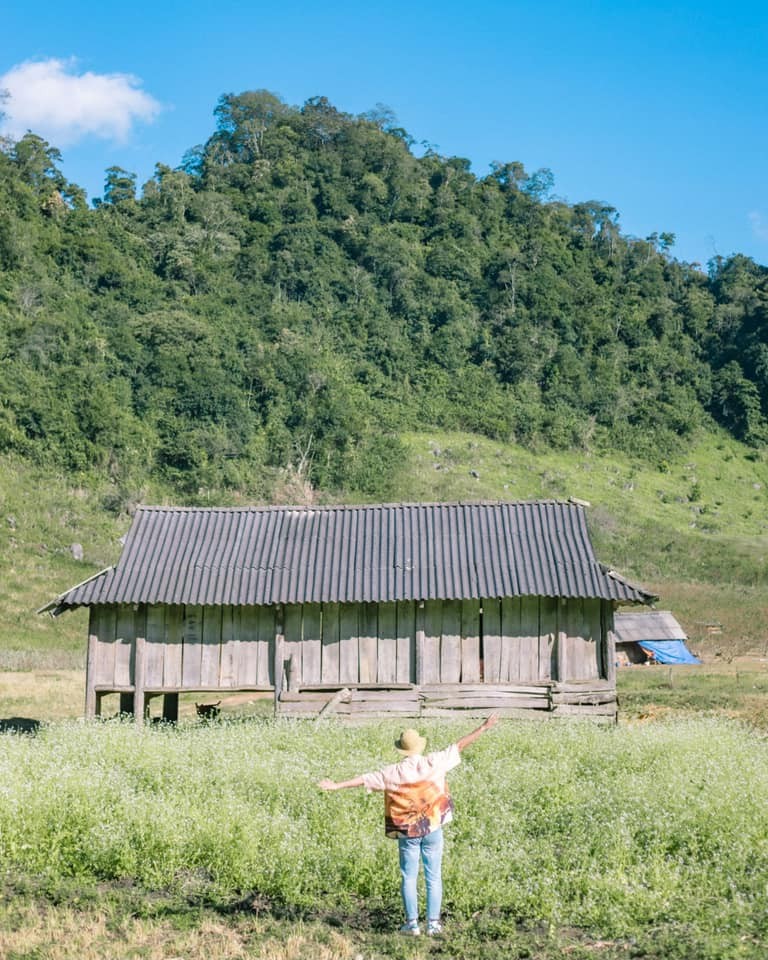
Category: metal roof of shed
[634,627]
[419,551]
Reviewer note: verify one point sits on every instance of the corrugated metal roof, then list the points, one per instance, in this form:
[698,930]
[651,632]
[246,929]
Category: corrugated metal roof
[634,627]
[421,551]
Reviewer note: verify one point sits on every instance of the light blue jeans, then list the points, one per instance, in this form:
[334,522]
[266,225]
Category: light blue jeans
[430,850]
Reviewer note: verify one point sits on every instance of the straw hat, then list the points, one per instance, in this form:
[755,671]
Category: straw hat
[410,742]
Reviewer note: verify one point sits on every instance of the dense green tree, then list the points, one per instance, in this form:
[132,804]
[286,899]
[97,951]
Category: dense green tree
[306,284]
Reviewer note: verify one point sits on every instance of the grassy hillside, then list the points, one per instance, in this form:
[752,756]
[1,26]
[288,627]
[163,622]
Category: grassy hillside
[695,530]
[42,514]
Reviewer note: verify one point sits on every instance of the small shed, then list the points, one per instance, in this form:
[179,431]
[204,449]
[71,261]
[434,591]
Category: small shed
[650,636]
[404,609]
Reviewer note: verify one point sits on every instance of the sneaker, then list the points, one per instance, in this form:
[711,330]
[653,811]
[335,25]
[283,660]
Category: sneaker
[434,928]
[411,928]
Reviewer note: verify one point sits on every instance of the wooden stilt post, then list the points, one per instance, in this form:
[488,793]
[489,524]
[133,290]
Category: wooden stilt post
[279,653]
[609,643]
[138,681]
[90,676]
[562,640]
[420,616]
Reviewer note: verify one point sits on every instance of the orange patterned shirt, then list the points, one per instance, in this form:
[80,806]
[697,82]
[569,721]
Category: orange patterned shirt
[416,796]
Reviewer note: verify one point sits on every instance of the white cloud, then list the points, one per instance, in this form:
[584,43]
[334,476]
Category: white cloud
[50,98]
[759,225]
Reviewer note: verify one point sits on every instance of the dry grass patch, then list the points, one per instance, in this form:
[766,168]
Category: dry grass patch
[42,694]
[46,931]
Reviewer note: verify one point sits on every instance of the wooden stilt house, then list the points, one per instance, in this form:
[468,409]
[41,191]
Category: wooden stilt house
[408,609]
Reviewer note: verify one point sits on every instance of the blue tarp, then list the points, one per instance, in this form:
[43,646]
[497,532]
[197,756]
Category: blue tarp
[669,651]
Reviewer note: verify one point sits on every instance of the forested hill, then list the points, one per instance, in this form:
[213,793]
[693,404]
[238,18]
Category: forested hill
[306,284]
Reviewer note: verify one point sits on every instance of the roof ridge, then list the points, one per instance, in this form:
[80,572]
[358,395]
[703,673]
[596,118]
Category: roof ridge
[252,508]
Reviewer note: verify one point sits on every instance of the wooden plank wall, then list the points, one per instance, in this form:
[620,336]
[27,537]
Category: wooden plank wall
[582,627]
[347,643]
[112,631]
[450,647]
[541,638]
[525,640]
[518,639]
[192,648]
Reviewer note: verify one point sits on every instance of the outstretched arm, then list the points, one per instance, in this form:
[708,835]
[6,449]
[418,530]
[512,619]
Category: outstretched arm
[333,785]
[465,741]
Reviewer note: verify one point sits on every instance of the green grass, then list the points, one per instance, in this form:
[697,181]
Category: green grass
[641,834]
[738,689]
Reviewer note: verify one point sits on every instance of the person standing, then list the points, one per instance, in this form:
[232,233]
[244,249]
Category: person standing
[417,804]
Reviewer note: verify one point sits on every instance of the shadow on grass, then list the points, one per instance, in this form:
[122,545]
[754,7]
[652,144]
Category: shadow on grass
[19,725]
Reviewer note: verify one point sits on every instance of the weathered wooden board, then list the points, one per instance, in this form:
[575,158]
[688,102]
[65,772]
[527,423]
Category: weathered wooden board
[571,710]
[470,689]
[529,638]
[387,656]
[510,639]
[92,699]
[211,652]
[128,625]
[311,696]
[324,687]
[368,642]
[488,702]
[593,632]
[229,641]
[278,652]
[292,649]
[248,647]
[193,647]
[433,626]
[562,672]
[582,623]
[349,665]
[311,641]
[608,642]
[154,651]
[595,697]
[470,641]
[410,707]
[511,712]
[349,712]
[492,641]
[174,638]
[268,634]
[104,627]
[138,694]
[345,711]
[329,654]
[406,642]
[382,696]
[450,642]
[581,686]
[547,637]
[102,658]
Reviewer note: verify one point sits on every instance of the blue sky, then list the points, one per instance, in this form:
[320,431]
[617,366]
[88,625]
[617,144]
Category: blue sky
[656,108]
